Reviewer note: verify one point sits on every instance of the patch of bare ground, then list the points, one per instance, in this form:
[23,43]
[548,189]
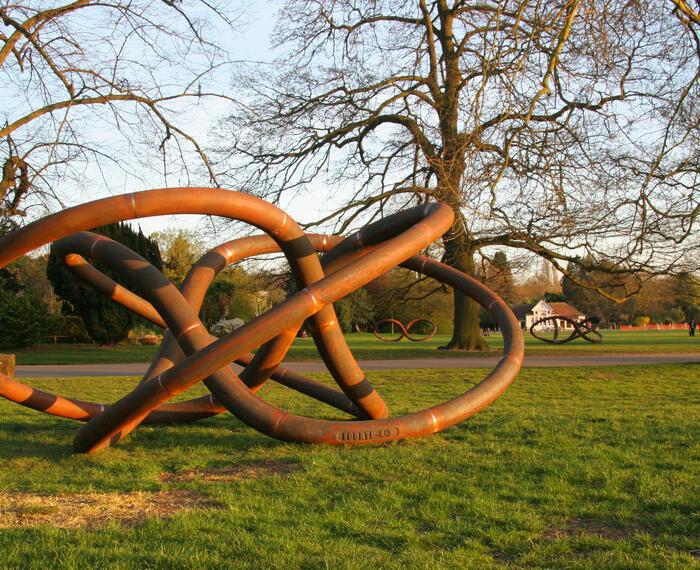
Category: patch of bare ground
[86,510]
[591,527]
[503,557]
[231,473]
[577,528]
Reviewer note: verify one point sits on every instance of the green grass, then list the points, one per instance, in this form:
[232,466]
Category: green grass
[571,468]
[84,354]
[366,347]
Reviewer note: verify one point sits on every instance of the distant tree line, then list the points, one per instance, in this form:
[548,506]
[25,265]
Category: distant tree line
[662,299]
[40,298]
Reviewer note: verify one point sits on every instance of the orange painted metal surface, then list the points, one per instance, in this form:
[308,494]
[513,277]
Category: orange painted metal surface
[189,354]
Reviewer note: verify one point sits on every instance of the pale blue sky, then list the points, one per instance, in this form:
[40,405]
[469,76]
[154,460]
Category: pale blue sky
[250,42]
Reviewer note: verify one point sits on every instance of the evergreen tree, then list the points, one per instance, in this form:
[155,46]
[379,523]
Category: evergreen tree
[106,321]
[8,281]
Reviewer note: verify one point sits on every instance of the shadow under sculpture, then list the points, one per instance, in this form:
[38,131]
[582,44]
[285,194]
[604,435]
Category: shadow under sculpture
[189,354]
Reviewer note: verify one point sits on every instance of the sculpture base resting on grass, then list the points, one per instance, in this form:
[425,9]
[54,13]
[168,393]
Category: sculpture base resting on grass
[189,354]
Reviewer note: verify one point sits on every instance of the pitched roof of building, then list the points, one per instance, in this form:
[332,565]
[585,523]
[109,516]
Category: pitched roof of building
[566,310]
[563,309]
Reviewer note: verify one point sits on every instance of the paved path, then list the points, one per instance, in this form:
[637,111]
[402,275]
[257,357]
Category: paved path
[137,369]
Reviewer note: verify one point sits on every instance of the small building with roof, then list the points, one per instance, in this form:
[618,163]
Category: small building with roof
[528,314]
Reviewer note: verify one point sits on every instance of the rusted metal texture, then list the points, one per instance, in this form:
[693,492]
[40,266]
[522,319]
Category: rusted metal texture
[587,330]
[188,354]
[404,331]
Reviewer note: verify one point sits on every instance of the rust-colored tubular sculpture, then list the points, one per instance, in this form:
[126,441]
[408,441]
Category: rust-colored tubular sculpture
[587,330]
[189,354]
[405,331]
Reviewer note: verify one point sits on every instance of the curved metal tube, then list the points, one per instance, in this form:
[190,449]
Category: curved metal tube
[189,354]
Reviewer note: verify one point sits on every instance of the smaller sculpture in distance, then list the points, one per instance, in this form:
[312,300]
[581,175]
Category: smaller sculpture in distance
[548,329]
[404,331]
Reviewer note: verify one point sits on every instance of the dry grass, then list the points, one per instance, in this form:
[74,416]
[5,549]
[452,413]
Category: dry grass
[89,510]
[592,527]
[232,473]
[576,530]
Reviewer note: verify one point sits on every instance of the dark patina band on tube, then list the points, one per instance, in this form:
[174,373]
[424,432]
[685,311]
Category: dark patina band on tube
[189,354]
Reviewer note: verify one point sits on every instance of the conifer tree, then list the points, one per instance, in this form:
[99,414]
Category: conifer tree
[106,321]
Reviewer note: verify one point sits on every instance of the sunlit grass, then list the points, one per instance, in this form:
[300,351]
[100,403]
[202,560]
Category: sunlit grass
[586,468]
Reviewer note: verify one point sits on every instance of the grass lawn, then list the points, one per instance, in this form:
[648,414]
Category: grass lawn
[583,468]
[366,347]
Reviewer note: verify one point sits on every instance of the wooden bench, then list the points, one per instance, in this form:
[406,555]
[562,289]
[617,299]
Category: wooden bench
[7,364]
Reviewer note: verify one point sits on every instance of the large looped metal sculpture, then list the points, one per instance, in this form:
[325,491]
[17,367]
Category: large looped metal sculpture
[586,329]
[404,331]
[189,355]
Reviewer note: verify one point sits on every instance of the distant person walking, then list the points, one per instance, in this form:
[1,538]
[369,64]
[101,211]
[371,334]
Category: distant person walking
[691,327]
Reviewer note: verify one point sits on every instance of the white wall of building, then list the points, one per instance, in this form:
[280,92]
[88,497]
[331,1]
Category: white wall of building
[540,311]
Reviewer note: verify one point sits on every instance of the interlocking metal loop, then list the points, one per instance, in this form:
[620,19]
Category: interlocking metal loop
[586,329]
[189,354]
[404,330]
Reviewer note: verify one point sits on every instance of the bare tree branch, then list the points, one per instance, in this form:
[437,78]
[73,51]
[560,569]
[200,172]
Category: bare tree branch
[77,67]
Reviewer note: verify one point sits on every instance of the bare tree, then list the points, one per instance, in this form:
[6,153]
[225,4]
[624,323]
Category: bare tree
[565,128]
[80,79]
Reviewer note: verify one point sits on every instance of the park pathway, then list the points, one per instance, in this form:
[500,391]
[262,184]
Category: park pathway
[138,369]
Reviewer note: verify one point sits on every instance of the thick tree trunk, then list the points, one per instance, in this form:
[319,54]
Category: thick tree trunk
[449,170]
[466,332]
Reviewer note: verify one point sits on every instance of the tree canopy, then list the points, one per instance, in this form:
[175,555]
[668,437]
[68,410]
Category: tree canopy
[180,250]
[563,128]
